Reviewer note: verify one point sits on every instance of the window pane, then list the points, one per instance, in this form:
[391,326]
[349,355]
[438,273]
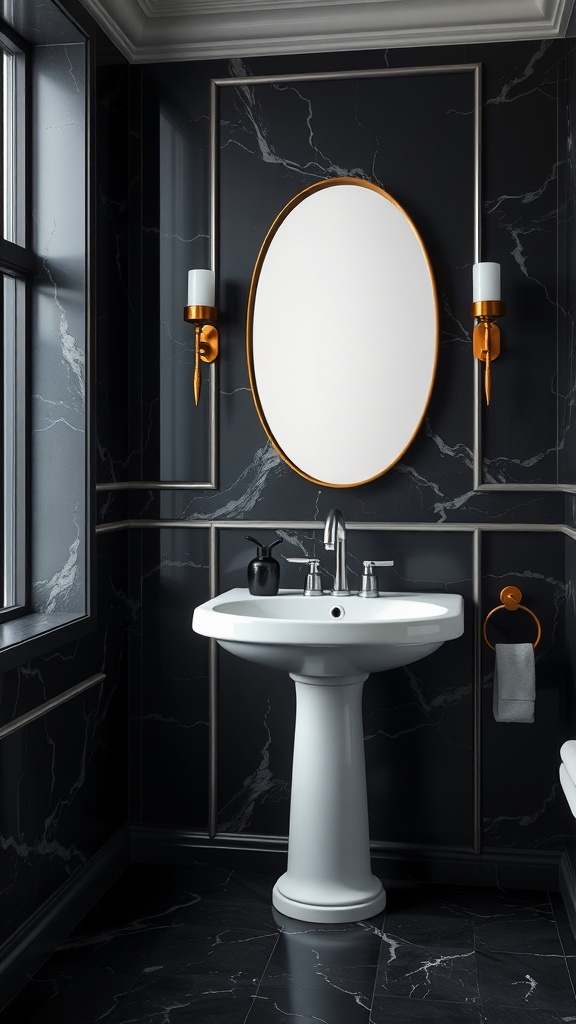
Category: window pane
[14,425]
[13,136]
[8,168]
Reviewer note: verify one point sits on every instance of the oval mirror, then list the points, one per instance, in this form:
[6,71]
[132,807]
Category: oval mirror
[342,332]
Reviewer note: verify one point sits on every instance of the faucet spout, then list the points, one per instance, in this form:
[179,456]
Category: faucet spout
[335,539]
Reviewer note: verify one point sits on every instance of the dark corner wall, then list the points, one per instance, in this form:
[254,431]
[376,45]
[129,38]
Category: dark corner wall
[452,794]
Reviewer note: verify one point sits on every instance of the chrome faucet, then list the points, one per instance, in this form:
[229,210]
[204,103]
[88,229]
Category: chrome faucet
[335,538]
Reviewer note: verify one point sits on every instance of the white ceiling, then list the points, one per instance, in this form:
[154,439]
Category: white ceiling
[171,30]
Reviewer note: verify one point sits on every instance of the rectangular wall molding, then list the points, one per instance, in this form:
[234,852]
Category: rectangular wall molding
[43,709]
[275,524]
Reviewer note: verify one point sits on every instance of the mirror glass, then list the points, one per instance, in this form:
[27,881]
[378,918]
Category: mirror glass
[342,332]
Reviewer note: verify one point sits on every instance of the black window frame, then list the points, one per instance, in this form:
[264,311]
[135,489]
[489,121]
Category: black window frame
[19,263]
[31,629]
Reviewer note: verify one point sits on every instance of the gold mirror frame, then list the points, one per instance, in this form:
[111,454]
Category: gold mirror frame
[303,398]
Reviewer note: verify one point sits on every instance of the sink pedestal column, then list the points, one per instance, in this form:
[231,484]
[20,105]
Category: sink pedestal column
[328,877]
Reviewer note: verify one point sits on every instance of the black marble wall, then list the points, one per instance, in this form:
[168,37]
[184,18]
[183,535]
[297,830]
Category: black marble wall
[441,772]
[65,773]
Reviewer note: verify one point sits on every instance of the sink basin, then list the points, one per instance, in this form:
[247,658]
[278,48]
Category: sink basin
[331,636]
[329,645]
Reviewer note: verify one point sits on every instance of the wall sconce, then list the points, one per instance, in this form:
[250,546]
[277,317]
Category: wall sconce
[486,307]
[202,312]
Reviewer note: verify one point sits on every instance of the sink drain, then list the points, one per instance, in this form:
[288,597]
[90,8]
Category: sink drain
[337,612]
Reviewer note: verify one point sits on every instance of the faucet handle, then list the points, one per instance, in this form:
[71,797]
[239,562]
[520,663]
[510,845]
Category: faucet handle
[369,586]
[313,584]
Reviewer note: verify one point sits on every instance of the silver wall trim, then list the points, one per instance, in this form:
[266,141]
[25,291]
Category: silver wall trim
[314,524]
[323,76]
[163,485]
[113,527]
[543,488]
[213,171]
[477,690]
[49,705]
[214,420]
[213,697]
[477,162]
[155,485]
[477,384]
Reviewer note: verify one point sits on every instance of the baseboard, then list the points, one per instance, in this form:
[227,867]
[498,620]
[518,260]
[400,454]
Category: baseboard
[393,862]
[159,845]
[503,868]
[568,889]
[31,945]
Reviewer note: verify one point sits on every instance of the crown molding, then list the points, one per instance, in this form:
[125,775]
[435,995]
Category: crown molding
[150,31]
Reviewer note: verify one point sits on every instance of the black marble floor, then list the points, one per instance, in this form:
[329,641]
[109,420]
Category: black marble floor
[171,945]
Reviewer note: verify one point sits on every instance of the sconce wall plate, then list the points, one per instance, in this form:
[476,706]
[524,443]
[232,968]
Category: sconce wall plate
[486,336]
[206,342]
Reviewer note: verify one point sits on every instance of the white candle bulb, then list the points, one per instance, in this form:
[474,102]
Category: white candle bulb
[201,288]
[486,282]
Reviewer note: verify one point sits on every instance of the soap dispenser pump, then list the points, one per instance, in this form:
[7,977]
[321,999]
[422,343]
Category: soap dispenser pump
[263,571]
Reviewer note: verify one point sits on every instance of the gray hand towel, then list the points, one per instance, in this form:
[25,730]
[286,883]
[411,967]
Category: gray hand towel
[514,683]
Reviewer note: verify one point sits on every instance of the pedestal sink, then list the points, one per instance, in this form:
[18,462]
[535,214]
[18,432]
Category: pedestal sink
[329,645]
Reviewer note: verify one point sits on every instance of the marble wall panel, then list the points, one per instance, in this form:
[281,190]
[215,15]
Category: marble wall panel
[418,719]
[184,428]
[525,151]
[568,730]
[57,810]
[114,375]
[173,231]
[170,712]
[567,361]
[65,775]
[568,393]
[522,804]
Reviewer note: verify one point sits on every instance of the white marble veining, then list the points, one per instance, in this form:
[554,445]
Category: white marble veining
[243,495]
[258,787]
[520,85]
[61,589]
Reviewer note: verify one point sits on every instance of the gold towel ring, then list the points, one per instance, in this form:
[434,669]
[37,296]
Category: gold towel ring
[511,598]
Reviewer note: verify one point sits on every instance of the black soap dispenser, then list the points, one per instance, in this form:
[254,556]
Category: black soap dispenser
[263,571]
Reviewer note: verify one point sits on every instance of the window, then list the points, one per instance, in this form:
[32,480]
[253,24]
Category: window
[16,265]
[43,320]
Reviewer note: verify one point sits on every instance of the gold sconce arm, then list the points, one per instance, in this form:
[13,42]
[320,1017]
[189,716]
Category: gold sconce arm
[486,337]
[206,340]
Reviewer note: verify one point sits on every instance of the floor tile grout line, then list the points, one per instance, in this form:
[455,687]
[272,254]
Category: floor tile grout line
[481,1014]
[258,987]
[568,971]
[377,968]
